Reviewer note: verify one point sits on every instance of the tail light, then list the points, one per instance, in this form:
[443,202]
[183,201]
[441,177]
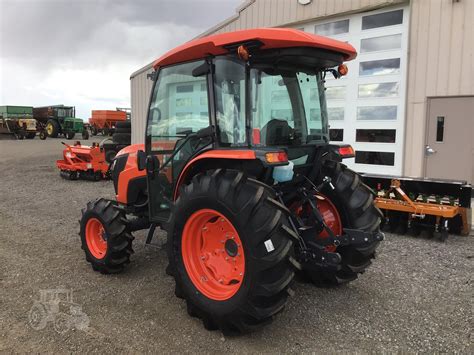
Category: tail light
[346,151]
[276,157]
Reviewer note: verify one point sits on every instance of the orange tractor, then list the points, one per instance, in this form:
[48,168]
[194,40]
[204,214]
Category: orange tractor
[238,170]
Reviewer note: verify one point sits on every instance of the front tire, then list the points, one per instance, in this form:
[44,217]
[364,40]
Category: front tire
[105,238]
[224,215]
[355,204]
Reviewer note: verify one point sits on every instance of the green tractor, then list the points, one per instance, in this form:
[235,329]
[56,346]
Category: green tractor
[60,119]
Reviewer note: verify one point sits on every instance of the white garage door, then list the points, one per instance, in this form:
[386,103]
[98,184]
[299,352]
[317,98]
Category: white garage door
[367,108]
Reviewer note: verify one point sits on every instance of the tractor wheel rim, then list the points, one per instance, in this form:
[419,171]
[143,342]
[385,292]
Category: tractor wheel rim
[330,216]
[49,128]
[95,238]
[213,254]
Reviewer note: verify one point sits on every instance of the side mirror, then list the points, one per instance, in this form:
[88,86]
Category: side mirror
[141,160]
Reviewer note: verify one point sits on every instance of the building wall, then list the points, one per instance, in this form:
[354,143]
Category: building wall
[441,63]
[274,13]
[140,88]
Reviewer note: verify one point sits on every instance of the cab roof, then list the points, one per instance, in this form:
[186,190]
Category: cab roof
[269,38]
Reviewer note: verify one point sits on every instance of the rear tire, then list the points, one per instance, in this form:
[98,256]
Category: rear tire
[110,155]
[123,130]
[122,138]
[124,125]
[250,207]
[52,127]
[111,254]
[355,204]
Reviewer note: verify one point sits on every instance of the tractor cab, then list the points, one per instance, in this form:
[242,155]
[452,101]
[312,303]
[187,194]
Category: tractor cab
[261,96]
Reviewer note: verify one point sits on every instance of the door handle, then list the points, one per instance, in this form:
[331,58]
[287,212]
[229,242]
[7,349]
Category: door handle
[152,165]
[429,151]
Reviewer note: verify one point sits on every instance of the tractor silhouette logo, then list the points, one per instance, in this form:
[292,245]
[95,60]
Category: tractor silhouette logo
[57,306]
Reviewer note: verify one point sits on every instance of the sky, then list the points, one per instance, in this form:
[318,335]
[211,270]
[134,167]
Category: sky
[81,52]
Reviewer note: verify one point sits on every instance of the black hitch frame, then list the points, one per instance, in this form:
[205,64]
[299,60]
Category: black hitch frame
[312,252]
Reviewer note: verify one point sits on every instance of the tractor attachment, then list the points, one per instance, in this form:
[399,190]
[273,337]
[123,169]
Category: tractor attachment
[84,162]
[430,207]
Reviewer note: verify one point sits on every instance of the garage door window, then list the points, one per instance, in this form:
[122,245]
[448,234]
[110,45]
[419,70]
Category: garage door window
[332,28]
[336,113]
[380,67]
[382,20]
[383,43]
[375,158]
[378,90]
[377,113]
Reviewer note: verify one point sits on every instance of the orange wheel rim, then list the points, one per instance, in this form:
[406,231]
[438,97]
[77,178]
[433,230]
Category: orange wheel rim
[330,216]
[213,254]
[96,238]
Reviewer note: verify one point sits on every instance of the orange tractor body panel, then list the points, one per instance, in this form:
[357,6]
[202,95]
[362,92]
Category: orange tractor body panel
[214,154]
[130,171]
[271,38]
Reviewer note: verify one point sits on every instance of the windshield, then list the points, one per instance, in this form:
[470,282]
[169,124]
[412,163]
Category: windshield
[287,108]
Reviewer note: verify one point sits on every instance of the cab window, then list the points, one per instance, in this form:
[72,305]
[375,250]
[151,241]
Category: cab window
[179,105]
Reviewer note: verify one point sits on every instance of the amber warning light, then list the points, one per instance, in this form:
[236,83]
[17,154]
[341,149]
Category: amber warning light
[342,69]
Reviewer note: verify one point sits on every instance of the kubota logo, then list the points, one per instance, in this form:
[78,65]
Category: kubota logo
[57,306]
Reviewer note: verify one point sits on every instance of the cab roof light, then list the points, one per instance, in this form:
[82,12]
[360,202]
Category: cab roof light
[276,157]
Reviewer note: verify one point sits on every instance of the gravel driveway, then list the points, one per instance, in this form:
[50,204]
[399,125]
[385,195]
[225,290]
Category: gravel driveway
[416,297]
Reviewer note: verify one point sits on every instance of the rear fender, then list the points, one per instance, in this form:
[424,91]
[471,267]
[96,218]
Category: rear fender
[214,159]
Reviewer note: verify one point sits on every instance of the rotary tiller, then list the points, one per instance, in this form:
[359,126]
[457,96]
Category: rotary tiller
[83,162]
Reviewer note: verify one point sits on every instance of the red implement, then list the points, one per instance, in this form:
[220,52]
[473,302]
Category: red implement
[81,161]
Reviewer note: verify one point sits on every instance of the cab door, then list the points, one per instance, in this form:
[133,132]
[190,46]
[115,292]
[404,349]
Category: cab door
[179,106]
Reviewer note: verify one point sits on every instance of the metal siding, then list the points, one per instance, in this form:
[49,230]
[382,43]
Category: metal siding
[275,13]
[440,64]
[141,88]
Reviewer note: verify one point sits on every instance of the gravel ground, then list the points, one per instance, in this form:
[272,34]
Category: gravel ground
[416,297]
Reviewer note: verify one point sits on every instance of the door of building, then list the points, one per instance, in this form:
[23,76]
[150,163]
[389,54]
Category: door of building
[449,149]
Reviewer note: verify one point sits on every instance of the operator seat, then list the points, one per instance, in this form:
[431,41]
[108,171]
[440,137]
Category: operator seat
[276,132]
